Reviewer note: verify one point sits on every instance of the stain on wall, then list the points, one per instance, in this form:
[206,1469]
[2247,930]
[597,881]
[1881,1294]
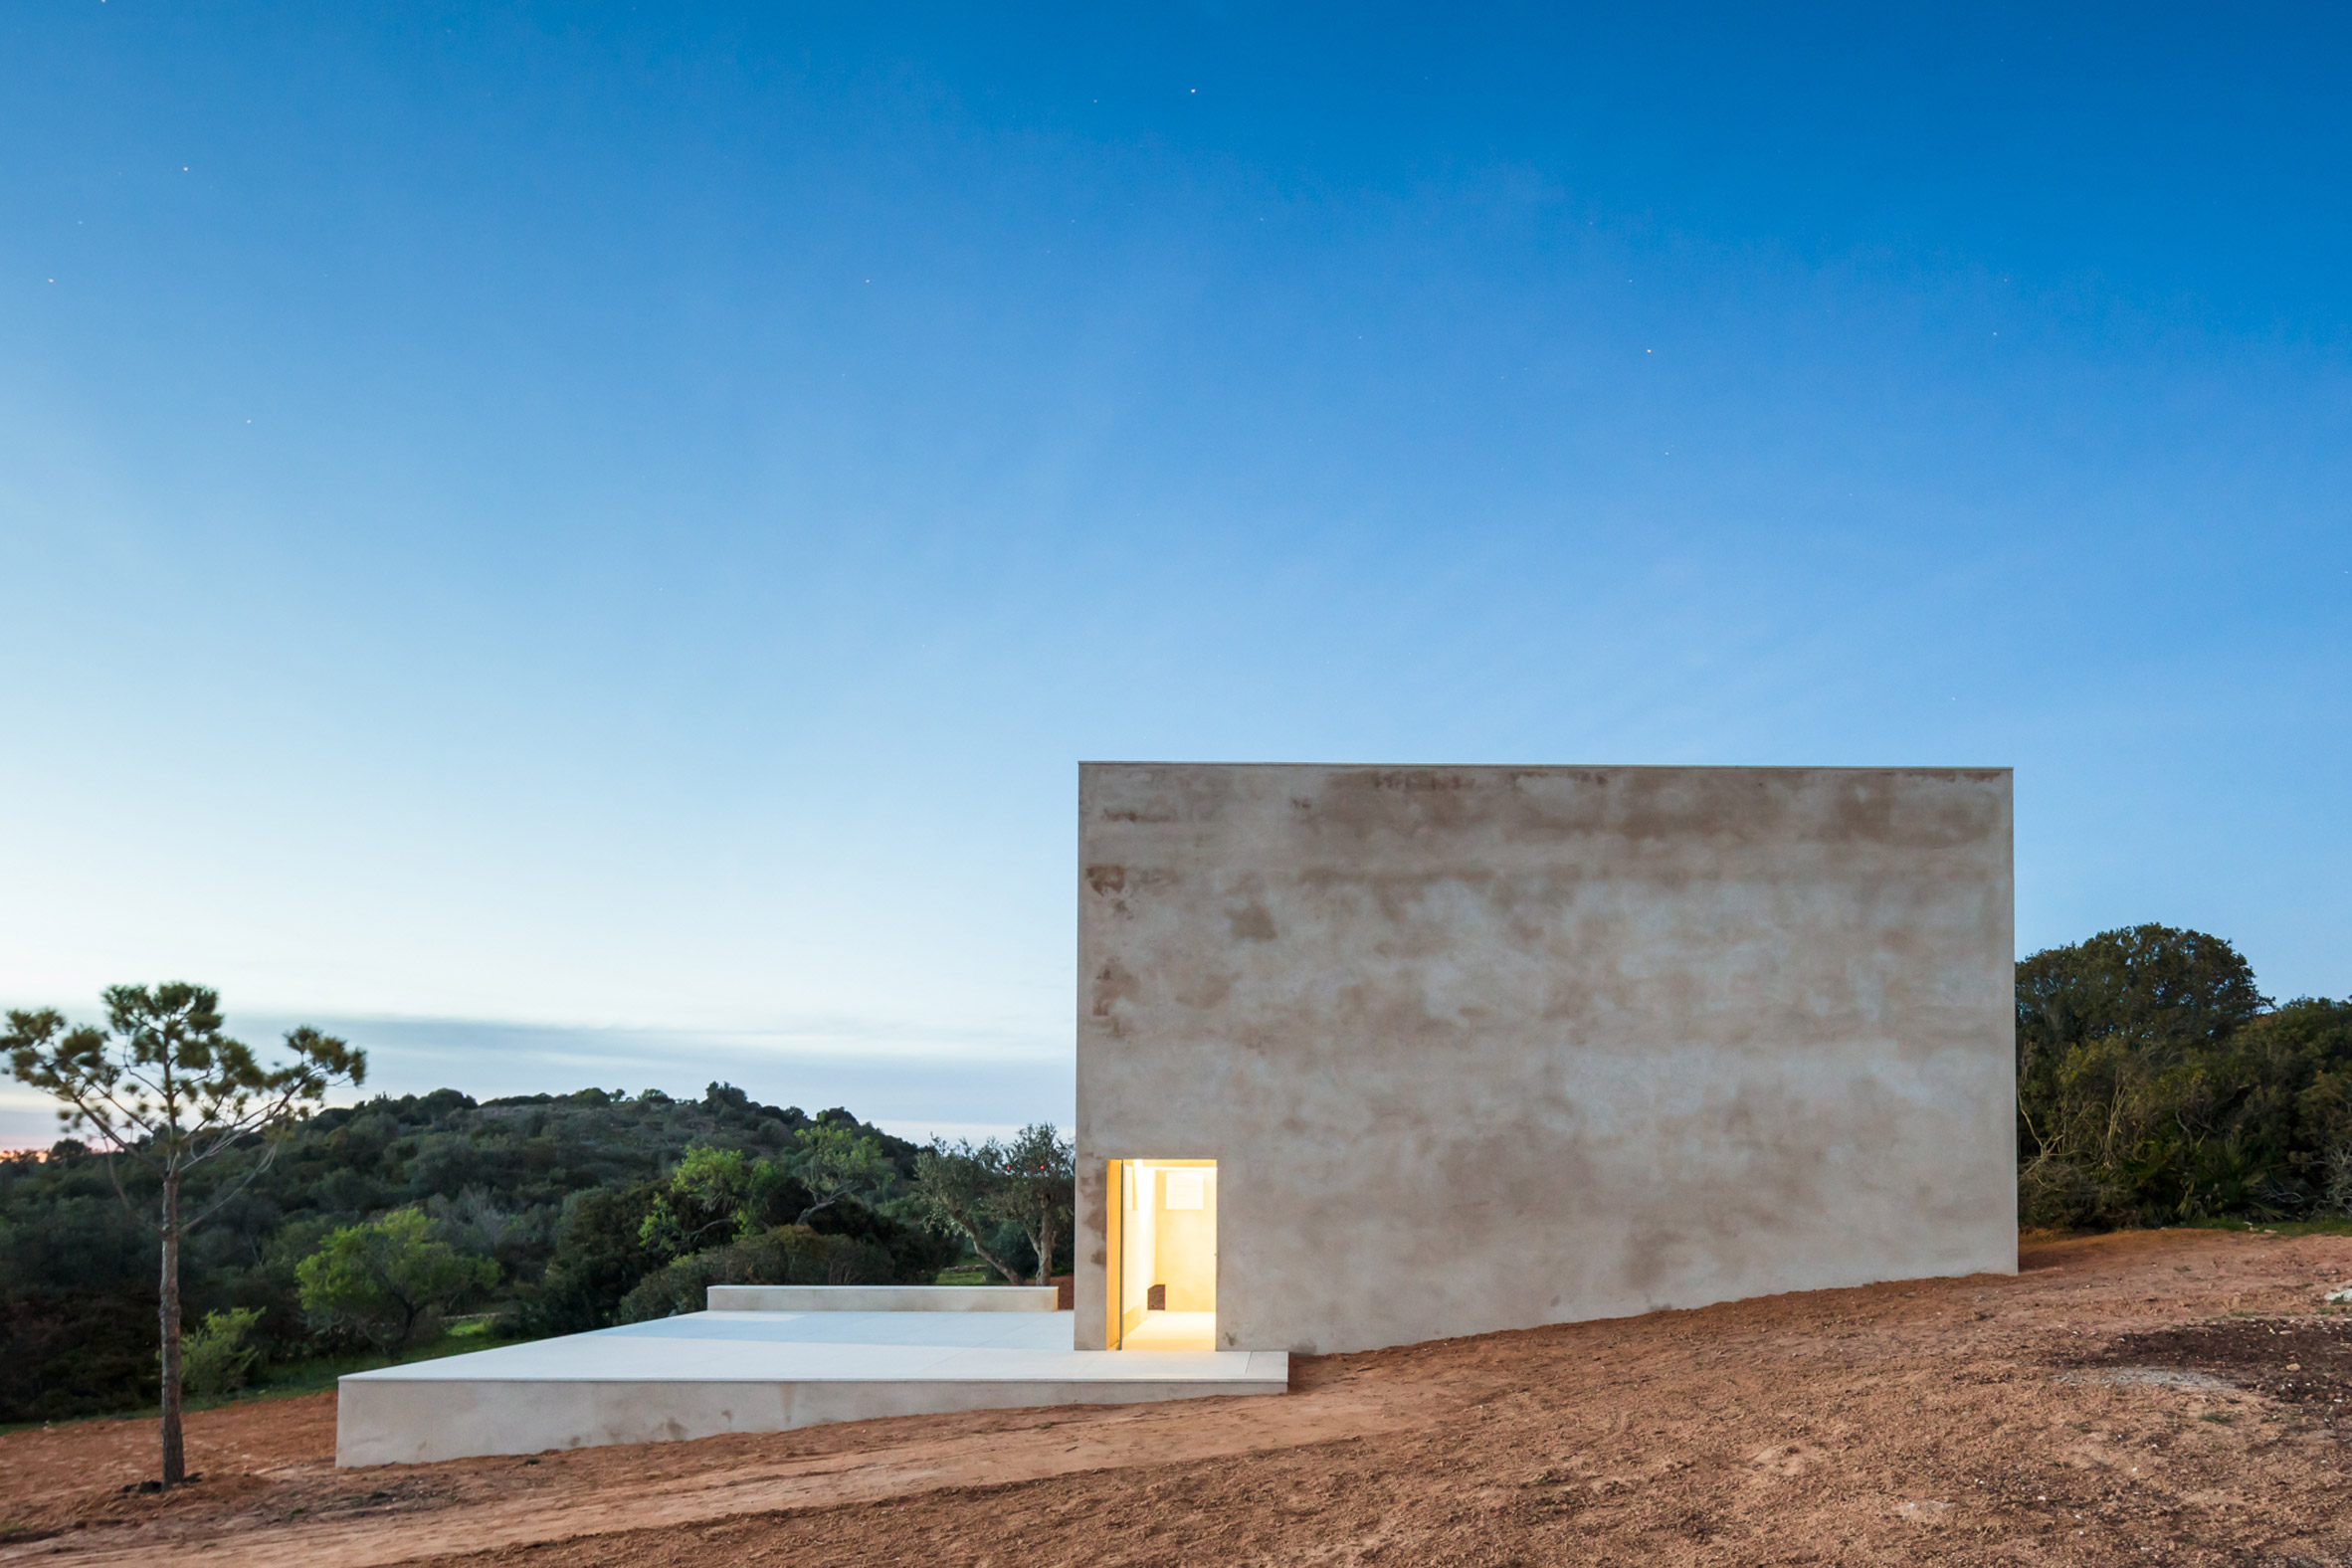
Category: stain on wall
[1485,1047]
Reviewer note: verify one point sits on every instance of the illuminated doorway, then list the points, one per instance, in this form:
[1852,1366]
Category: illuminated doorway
[1163,1256]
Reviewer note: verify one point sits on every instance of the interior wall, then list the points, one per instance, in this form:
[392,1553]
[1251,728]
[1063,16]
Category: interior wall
[1187,1247]
[1140,1237]
[1487,1048]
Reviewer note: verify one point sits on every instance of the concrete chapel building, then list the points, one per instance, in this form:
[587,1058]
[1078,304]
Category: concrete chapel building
[1370,1056]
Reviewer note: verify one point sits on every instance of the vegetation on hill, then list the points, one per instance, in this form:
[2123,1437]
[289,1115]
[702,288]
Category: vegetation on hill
[2156,1085]
[552,1210]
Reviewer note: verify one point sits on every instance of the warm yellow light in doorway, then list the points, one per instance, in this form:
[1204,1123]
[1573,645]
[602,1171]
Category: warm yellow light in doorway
[1162,1289]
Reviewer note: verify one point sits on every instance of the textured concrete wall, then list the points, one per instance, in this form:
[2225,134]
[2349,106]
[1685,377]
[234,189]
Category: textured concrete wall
[1485,1047]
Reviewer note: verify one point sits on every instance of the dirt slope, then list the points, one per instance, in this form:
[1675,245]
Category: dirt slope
[2157,1397]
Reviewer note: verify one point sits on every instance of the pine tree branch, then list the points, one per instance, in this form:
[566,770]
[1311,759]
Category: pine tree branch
[268,1156]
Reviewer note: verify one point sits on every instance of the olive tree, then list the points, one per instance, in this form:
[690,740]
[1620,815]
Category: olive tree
[162,1087]
[387,1278]
[1036,1189]
[956,1186]
[834,1163]
[1030,1182]
[2132,1102]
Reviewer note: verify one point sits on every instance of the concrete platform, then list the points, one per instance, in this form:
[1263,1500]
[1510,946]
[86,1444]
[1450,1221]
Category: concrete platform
[706,1373]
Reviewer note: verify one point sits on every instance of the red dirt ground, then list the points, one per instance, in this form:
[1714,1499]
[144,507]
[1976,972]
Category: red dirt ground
[2170,1397]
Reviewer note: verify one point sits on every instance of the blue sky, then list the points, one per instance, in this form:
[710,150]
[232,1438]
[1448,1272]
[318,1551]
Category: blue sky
[583,545]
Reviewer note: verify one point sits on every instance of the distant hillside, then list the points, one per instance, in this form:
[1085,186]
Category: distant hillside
[528,1181]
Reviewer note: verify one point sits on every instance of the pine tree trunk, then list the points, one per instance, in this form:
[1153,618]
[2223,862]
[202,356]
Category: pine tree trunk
[175,1463]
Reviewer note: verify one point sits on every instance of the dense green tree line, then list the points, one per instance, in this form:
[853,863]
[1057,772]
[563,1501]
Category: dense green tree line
[556,1204]
[2157,1085]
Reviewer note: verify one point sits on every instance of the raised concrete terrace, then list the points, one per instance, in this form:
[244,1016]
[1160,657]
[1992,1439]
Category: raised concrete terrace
[706,1373]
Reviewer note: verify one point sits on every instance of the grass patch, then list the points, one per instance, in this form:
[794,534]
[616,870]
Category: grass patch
[292,1379]
[309,1377]
[969,1274]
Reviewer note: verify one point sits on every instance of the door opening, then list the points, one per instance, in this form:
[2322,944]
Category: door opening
[1162,1291]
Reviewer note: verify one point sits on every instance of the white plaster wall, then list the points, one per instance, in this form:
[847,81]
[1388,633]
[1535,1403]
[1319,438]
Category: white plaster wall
[1485,1047]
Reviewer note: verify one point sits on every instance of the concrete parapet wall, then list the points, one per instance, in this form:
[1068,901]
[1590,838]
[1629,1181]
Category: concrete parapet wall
[701,1374]
[413,1422]
[880,1298]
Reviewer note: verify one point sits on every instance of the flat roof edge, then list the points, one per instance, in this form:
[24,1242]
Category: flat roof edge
[1572,767]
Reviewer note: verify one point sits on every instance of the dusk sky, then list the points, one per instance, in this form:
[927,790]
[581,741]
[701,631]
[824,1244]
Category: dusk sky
[581,545]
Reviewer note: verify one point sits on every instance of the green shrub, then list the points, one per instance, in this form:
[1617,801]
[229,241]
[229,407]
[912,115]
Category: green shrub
[215,1358]
[787,1255]
[388,1280]
[599,1256]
